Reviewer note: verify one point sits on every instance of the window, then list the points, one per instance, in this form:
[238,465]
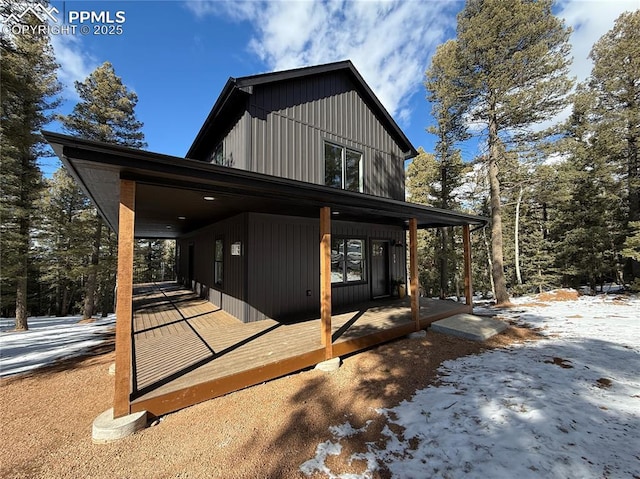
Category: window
[342,167]
[218,262]
[217,156]
[347,260]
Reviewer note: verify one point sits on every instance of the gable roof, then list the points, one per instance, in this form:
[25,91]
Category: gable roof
[236,90]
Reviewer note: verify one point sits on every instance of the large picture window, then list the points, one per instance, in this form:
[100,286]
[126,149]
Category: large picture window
[218,262]
[347,260]
[342,167]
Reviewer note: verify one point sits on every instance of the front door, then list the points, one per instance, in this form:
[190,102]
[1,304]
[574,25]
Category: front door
[379,268]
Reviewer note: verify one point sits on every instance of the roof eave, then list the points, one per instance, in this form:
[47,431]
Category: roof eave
[223,98]
[137,163]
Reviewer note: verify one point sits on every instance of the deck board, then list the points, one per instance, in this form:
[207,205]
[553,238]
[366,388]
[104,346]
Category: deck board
[182,341]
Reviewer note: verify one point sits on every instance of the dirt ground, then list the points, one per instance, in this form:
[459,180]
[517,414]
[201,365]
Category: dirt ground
[265,431]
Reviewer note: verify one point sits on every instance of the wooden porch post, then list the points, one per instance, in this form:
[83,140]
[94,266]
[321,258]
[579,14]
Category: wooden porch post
[468,284]
[124,300]
[325,280]
[413,272]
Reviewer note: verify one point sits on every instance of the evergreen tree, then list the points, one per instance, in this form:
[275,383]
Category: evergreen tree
[28,95]
[512,60]
[632,242]
[615,83]
[421,175]
[589,237]
[449,128]
[153,260]
[548,193]
[106,113]
[63,240]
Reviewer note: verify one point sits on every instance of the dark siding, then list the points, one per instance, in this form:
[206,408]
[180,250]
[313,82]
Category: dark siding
[283,263]
[235,144]
[232,295]
[290,120]
[283,255]
[235,152]
[342,295]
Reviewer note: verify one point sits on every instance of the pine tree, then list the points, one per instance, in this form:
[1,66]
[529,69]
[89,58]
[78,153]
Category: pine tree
[421,174]
[28,95]
[62,240]
[588,230]
[632,242]
[441,83]
[512,60]
[548,192]
[106,113]
[614,82]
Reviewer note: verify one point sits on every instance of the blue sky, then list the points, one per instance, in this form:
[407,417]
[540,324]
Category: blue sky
[177,55]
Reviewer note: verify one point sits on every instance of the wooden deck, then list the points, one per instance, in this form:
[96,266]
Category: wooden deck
[186,350]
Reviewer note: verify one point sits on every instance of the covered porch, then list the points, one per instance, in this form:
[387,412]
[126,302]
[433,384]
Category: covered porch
[173,350]
[187,350]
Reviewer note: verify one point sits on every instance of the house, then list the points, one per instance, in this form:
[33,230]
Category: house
[289,205]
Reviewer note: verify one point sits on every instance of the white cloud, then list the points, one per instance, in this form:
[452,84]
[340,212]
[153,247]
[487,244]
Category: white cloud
[74,64]
[390,42]
[590,20]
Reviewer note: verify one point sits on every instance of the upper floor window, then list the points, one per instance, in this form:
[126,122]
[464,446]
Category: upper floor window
[342,167]
[217,155]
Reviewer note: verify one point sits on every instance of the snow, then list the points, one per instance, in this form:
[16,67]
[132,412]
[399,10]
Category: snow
[567,406]
[48,340]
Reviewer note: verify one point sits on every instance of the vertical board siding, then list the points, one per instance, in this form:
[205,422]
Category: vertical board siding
[231,297]
[234,148]
[279,264]
[284,265]
[343,295]
[290,120]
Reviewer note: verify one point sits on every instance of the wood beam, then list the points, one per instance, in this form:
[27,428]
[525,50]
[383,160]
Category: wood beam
[325,280]
[124,299]
[468,284]
[413,272]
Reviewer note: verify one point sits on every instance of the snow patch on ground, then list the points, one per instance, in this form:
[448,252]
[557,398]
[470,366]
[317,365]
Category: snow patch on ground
[48,340]
[566,406]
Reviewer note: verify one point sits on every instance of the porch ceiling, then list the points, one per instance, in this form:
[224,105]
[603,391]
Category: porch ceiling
[171,188]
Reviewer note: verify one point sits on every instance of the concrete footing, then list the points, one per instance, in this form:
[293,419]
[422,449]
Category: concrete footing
[469,326]
[328,365]
[107,429]
[417,334]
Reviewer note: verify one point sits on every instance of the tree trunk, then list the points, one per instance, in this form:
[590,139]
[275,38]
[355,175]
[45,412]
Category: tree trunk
[21,298]
[502,296]
[633,177]
[517,238]
[21,274]
[92,279]
[444,273]
[486,246]
[64,309]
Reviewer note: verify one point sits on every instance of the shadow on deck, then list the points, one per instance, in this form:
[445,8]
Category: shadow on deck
[187,350]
